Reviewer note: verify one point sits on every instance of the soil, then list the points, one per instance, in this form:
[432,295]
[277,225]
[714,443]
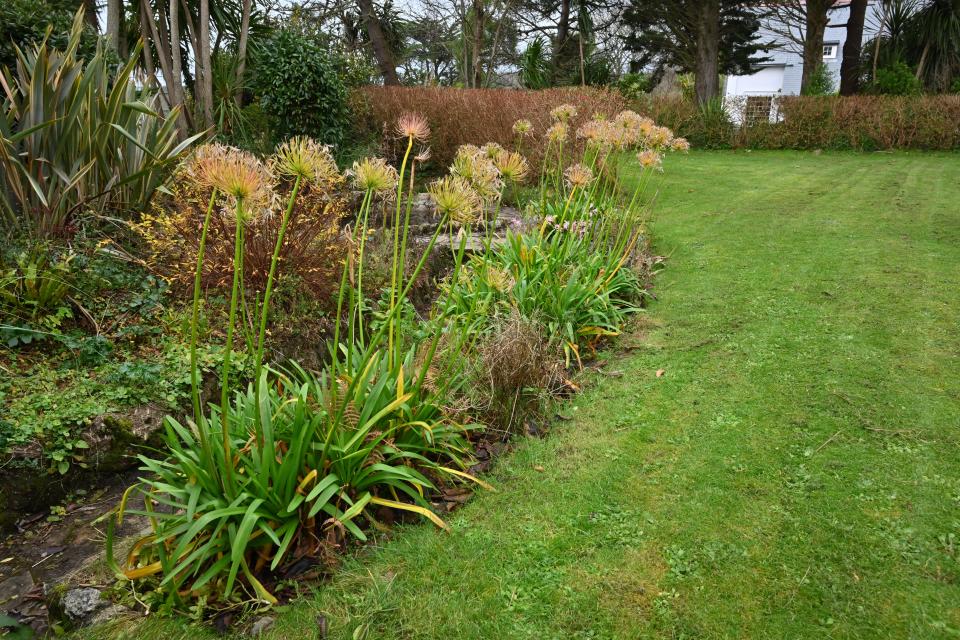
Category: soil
[47,551]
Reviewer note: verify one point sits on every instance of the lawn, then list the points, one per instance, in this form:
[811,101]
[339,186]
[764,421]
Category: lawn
[793,473]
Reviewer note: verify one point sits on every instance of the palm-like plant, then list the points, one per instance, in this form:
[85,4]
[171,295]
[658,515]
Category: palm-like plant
[75,136]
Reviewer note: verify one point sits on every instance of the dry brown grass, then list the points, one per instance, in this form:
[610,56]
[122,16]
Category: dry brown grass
[516,371]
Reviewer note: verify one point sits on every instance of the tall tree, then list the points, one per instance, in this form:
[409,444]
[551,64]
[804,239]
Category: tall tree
[175,82]
[242,45]
[852,49]
[378,42]
[707,75]
[705,37]
[204,85]
[113,24]
[802,24]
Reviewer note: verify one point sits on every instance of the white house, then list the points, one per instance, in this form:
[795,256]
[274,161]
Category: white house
[781,75]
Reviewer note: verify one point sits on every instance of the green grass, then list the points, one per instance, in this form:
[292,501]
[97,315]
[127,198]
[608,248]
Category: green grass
[793,473]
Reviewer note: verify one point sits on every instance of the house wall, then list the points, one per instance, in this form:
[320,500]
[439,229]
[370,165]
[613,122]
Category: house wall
[787,55]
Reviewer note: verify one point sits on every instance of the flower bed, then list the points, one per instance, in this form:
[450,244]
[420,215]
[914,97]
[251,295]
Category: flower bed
[300,463]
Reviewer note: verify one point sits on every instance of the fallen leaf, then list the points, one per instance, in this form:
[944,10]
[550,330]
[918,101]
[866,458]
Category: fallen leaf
[660,372]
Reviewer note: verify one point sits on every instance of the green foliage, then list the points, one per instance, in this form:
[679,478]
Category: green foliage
[820,82]
[49,405]
[299,88]
[579,293]
[24,23]
[236,123]
[535,65]
[659,33]
[955,87]
[634,85]
[76,136]
[248,478]
[896,80]
[34,286]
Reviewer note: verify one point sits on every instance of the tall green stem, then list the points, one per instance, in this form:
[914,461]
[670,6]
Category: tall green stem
[268,292]
[396,254]
[194,322]
[364,215]
[228,352]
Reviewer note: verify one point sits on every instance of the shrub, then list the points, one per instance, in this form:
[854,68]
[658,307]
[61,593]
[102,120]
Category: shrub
[311,253]
[299,88]
[579,293]
[283,471]
[471,116]
[821,82]
[87,141]
[24,23]
[634,85]
[896,80]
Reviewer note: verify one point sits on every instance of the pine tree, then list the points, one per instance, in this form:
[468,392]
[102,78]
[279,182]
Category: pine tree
[706,37]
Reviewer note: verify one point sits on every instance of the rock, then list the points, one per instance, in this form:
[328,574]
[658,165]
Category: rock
[260,626]
[108,613]
[80,603]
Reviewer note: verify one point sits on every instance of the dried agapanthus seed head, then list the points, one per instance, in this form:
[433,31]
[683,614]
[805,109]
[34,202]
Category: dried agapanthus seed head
[578,176]
[513,167]
[374,175]
[659,138]
[499,279]
[628,125]
[680,144]
[599,134]
[414,126]
[239,175]
[456,199]
[203,163]
[563,113]
[491,150]
[423,155]
[523,127]
[558,132]
[306,158]
[650,159]
[471,164]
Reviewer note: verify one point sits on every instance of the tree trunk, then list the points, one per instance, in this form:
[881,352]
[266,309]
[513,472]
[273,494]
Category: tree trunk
[176,69]
[850,66]
[148,57]
[90,14]
[479,16]
[923,59]
[876,42]
[242,48]
[563,35]
[378,40]
[161,44]
[816,24]
[113,24]
[707,74]
[204,82]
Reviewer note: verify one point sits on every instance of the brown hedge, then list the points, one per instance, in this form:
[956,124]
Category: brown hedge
[474,116]
[861,123]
